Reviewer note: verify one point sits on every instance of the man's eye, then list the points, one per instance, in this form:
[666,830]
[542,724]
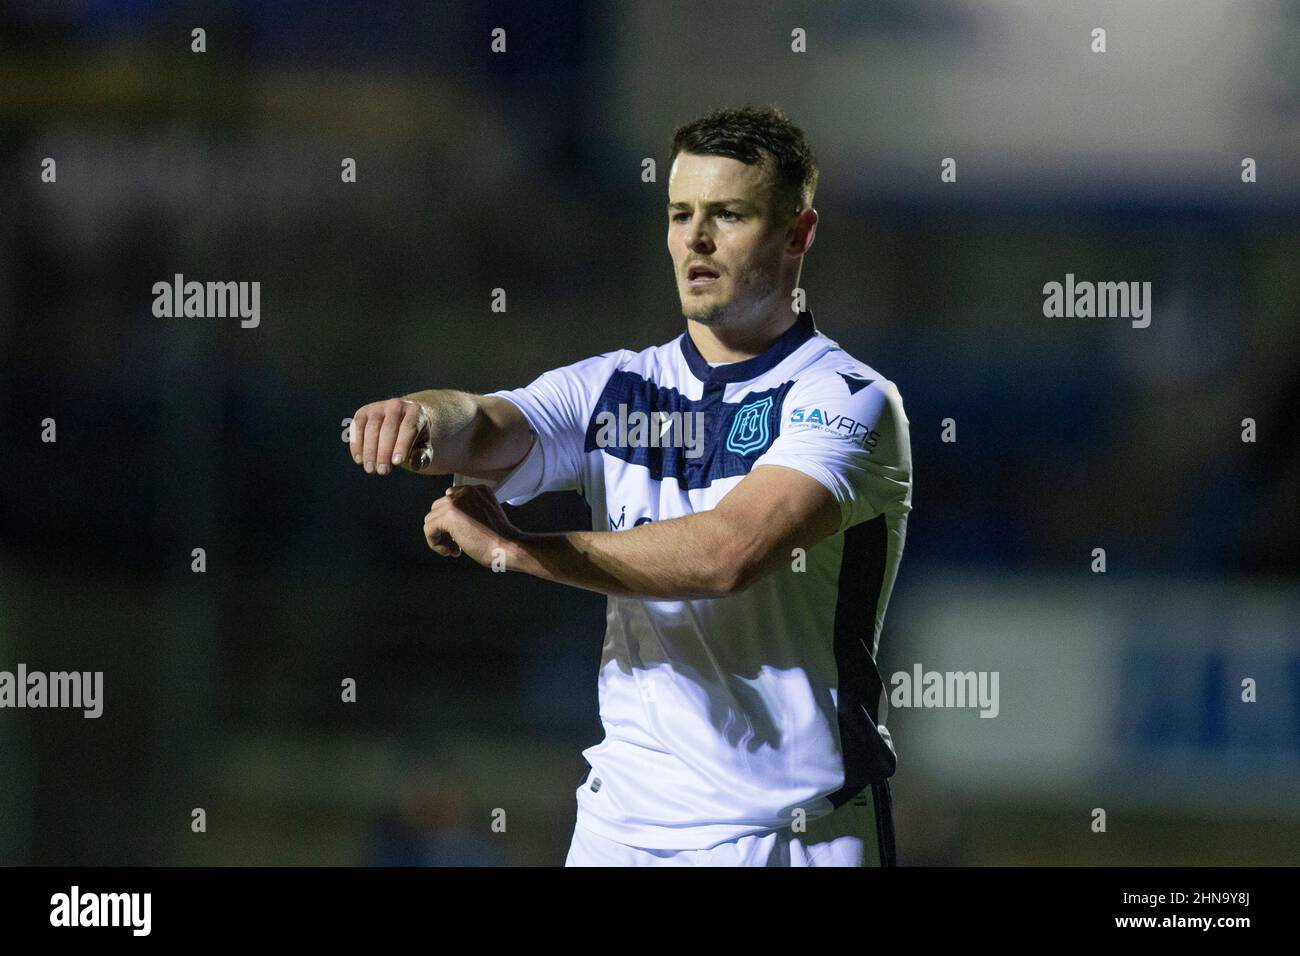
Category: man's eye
[683,216]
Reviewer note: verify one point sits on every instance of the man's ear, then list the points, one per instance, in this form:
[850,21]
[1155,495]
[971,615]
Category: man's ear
[804,231]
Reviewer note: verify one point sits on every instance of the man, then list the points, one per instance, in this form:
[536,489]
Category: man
[749,484]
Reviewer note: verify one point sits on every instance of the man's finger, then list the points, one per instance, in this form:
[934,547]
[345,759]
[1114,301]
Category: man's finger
[356,434]
[436,536]
[414,421]
[394,412]
[371,445]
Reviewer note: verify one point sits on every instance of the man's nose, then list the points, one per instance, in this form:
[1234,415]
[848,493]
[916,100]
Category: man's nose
[699,240]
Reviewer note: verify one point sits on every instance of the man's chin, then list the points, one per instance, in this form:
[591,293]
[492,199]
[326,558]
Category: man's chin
[712,315]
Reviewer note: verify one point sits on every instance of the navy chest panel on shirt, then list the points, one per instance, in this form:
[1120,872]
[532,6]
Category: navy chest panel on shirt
[730,436]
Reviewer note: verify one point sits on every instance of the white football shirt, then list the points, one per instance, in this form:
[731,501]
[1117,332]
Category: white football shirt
[728,716]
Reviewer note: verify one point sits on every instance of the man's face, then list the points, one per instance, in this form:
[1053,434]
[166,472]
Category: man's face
[720,219]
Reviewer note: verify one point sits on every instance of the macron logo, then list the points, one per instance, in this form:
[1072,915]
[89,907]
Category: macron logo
[854,383]
[102,909]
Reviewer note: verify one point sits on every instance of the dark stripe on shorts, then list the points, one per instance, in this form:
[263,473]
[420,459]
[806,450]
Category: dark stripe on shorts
[883,804]
[866,756]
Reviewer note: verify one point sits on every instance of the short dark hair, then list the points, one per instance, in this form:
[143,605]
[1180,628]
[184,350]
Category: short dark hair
[747,134]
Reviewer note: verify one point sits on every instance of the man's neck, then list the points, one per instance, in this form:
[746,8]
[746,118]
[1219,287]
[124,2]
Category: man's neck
[731,344]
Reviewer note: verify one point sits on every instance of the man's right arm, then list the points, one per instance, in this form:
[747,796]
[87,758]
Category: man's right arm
[441,432]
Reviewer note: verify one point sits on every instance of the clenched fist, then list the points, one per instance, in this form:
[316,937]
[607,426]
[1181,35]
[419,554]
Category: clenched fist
[469,520]
[391,432]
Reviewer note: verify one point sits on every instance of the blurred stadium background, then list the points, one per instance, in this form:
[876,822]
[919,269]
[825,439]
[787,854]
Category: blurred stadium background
[522,171]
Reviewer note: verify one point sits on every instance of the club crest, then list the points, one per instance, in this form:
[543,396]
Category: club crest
[749,428]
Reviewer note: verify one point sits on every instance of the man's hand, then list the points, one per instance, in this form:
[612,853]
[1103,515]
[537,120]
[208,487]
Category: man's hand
[753,531]
[468,520]
[391,432]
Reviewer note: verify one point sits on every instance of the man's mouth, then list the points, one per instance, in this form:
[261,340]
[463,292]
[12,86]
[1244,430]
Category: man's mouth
[700,275]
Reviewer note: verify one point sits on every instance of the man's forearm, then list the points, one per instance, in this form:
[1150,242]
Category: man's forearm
[448,429]
[680,559]
[462,436]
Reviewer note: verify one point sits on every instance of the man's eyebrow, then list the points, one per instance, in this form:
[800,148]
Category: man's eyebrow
[714,204]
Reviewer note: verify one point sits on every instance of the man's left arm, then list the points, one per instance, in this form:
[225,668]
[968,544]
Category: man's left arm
[841,456]
[711,554]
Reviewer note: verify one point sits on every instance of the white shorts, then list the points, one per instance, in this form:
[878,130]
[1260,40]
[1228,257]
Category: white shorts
[858,833]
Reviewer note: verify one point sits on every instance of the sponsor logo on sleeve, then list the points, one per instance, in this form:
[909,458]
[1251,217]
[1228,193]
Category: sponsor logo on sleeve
[825,419]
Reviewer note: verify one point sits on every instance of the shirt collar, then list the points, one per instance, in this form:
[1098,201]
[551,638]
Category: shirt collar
[803,329]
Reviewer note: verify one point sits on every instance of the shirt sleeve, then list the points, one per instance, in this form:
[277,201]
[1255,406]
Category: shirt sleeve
[557,406]
[851,435]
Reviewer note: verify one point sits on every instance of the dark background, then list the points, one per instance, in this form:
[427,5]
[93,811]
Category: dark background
[522,171]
